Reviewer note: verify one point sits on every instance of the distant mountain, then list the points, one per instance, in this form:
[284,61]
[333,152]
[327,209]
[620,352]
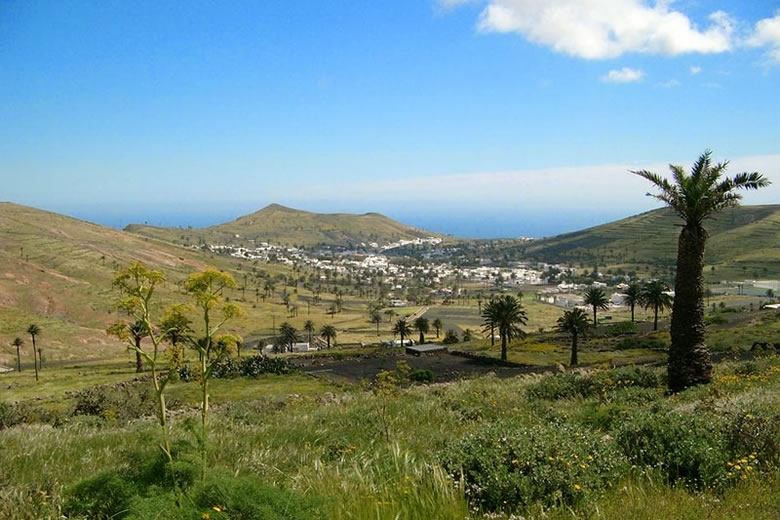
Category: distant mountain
[744,243]
[281,225]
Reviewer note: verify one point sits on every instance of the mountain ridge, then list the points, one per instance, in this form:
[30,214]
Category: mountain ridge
[290,226]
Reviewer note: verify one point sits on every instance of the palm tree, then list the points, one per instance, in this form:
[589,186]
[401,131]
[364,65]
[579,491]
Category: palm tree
[328,332]
[376,319]
[575,323]
[423,326]
[309,328]
[33,330]
[633,298]
[695,197]
[403,329]
[175,328]
[18,342]
[486,312]
[505,313]
[596,298]
[655,296]
[437,326]
[138,331]
[288,335]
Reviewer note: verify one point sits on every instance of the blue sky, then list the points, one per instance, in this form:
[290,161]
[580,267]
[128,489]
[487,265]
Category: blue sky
[525,114]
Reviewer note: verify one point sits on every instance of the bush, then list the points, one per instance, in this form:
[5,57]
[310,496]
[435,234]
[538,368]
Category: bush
[686,448]
[255,366]
[506,467]
[621,328]
[421,375]
[714,319]
[226,497]
[647,342]
[124,401]
[450,337]
[562,386]
[225,368]
[185,373]
[144,490]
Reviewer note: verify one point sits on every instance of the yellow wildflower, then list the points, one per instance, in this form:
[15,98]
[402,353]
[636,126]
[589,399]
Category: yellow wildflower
[217,509]
[577,487]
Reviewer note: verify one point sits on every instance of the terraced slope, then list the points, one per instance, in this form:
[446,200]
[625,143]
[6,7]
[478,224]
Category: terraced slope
[286,226]
[56,271]
[744,243]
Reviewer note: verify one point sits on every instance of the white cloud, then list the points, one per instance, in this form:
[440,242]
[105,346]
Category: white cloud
[695,70]
[766,33]
[581,187]
[670,84]
[597,29]
[624,75]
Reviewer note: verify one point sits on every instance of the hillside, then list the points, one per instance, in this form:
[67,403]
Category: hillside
[744,243]
[286,226]
[56,271]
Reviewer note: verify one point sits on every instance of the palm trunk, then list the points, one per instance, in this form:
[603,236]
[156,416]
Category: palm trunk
[492,336]
[573,361]
[689,358]
[35,358]
[18,360]
[422,338]
[655,317]
[503,347]
[595,321]
[632,313]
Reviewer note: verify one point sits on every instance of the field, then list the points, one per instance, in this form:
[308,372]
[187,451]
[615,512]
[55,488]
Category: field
[319,433]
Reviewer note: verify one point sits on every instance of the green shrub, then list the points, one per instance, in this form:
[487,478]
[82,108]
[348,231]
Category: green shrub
[621,328]
[450,337]
[122,402]
[507,467]
[255,366]
[142,489]
[686,448]
[714,319]
[225,368]
[562,386]
[226,497]
[12,414]
[421,375]
[646,342]
[756,432]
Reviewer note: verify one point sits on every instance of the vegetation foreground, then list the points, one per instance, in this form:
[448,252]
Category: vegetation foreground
[596,444]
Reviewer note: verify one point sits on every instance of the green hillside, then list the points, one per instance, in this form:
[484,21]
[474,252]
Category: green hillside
[744,243]
[286,226]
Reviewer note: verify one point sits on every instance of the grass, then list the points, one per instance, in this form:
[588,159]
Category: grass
[335,449]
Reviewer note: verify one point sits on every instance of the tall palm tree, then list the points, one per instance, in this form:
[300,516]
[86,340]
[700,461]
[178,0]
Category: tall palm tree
[308,326]
[288,335]
[328,332]
[655,296]
[575,323]
[423,326]
[138,331]
[376,319]
[506,314]
[596,298]
[402,329]
[33,330]
[437,326]
[18,342]
[633,298]
[695,197]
